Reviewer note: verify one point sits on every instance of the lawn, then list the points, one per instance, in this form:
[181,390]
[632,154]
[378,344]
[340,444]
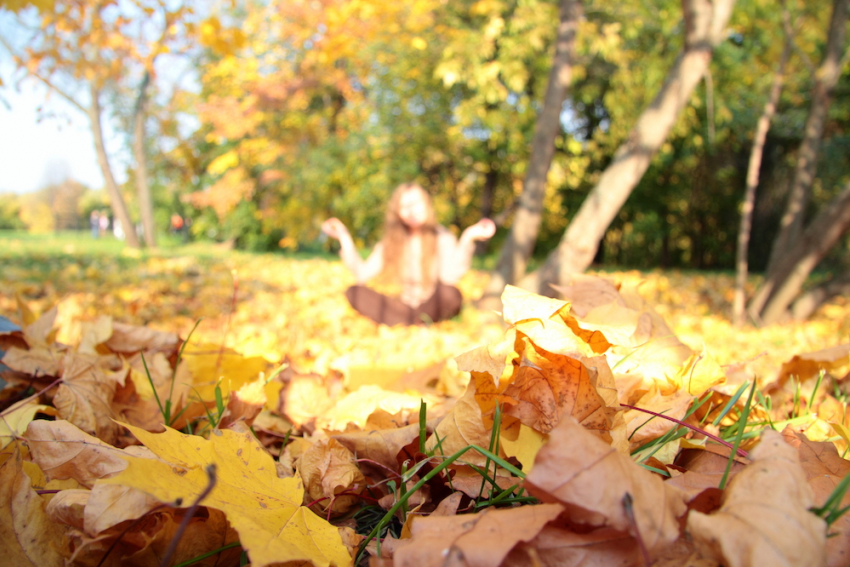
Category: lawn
[292,305]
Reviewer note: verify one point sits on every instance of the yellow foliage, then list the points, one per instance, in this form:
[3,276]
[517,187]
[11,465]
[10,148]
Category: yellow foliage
[273,526]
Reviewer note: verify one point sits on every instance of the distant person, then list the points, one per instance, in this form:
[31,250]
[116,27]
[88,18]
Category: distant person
[176,224]
[117,229]
[104,223]
[94,223]
[423,259]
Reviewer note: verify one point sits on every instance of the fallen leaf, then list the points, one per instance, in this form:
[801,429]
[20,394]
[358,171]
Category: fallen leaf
[64,451]
[27,536]
[328,469]
[591,479]
[132,338]
[14,423]
[272,524]
[825,469]
[381,446]
[804,366]
[86,393]
[479,540]
[764,518]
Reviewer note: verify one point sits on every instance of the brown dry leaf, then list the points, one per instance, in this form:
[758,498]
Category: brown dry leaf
[327,469]
[85,396]
[557,545]
[591,479]
[469,482]
[64,451]
[674,405]
[764,518]
[109,505]
[804,366]
[462,426]
[131,338]
[68,507]
[705,468]
[36,362]
[39,331]
[381,446]
[824,469]
[27,535]
[147,542]
[245,404]
[478,540]
[586,292]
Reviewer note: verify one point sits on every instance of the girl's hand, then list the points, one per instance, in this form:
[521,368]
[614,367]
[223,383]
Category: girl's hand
[334,228]
[482,230]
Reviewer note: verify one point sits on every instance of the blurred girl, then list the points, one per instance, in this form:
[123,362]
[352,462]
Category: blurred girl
[422,258]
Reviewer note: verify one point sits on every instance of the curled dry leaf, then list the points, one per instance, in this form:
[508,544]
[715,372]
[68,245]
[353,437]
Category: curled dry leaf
[146,543]
[764,518]
[327,469]
[479,540]
[590,478]
[245,404]
[27,535]
[381,446]
[132,338]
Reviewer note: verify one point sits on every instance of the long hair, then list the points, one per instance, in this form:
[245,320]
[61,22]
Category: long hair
[396,235]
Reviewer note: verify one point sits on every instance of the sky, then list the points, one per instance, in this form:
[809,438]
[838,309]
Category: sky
[33,152]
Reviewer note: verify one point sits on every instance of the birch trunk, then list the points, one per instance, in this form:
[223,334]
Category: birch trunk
[119,208]
[784,284]
[142,186]
[705,22]
[742,267]
[519,245]
[826,77]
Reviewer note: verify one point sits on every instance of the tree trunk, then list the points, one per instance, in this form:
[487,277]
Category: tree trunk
[805,305]
[119,209]
[705,24]
[491,178]
[742,267]
[144,191]
[526,224]
[781,286]
[826,77]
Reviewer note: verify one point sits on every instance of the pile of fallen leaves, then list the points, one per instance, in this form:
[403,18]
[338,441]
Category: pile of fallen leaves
[587,433]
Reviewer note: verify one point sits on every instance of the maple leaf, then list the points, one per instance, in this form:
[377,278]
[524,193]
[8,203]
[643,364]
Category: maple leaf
[381,445]
[27,536]
[764,518]
[85,395]
[824,470]
[64,451]
[590,478]
[469,540]
[264,509]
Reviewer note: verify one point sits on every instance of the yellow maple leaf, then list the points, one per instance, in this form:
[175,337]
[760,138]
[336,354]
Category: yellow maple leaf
[266,510]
